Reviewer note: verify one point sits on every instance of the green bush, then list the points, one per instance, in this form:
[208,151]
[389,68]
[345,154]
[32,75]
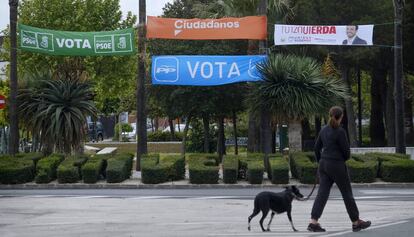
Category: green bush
[362,171]
[156,171]
[380,158]
[302,167]
[16,171]
[195,141]
[34,156]
[69,171]
[93,169]
[203,169]
[280,171]
[160,136]
[251,167]
[398,170]
[230,169]
[46,169]
[126,127]
[119,168]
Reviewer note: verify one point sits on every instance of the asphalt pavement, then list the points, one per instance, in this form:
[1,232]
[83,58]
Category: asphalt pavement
[191,212]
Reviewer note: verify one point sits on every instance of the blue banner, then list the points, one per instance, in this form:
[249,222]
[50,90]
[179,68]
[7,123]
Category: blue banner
[204,70]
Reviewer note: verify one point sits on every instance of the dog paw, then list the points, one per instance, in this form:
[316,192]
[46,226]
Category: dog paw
[295,230]
[268,230]
[248,228]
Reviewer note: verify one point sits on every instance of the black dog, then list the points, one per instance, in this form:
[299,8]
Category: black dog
[277,203]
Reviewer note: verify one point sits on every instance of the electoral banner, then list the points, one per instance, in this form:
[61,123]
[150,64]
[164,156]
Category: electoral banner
[251,27]
[352,35]
[118,42]
[204,70]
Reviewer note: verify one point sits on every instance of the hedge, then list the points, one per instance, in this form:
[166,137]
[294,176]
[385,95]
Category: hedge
[46,169]
[203,168]
[302,167]
[119,168]
[69,171]
[34,156]
[93,169]
[230,169]
[382,158]
[16,171]
[397,170]
[154,170]
[362,171]
[279,171]
[251,166]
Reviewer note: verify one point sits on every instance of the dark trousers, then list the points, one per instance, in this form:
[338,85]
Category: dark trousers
[332,171]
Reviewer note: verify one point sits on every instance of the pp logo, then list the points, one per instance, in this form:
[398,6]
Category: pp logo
[253,71]
[166,69]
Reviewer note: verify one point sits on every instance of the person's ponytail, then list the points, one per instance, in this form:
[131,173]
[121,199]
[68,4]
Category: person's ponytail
[335,113]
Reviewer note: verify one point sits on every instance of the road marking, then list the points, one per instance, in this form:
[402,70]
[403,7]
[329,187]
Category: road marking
[387,191]
[372,227]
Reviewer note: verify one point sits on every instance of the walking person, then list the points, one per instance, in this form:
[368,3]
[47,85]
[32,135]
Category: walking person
[332,150]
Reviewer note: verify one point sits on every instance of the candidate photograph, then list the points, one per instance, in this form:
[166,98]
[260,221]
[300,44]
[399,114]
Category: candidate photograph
[353,39]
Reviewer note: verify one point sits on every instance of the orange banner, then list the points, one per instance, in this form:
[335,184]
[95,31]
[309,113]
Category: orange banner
[251,27]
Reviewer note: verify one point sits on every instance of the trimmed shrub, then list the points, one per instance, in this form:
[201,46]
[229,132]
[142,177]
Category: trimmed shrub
[119,168]
[46,169]
[380,158]
[244,166]
[362,171]
[398,170]
[280,170]
[16,171]
[156,171]
[203,168]
[255,172]
[69,171]
[302,167]
[34,156]
[230,169]
[93,169]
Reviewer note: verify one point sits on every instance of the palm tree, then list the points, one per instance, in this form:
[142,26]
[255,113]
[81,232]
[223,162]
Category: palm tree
[13,118]
[294,87]
[56,110]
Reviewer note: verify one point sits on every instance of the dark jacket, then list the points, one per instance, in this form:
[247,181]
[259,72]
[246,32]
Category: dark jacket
[332,144]
[357,41]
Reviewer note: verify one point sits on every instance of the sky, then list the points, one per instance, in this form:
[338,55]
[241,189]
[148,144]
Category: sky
[154,8]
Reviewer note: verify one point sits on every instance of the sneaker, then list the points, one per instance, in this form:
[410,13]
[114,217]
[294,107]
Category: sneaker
[315,228]
[361,225]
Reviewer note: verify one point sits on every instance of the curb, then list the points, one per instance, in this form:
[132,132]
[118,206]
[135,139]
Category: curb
[30,186]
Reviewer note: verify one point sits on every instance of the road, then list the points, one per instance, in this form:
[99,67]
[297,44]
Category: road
[190,212]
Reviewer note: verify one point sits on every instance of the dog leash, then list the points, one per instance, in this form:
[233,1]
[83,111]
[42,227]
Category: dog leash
[313,189]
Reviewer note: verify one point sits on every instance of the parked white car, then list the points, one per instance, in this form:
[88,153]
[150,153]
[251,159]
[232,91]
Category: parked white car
[176,126]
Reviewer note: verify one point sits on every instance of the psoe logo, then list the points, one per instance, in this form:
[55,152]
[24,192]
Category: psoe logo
[166,69]
[253,71]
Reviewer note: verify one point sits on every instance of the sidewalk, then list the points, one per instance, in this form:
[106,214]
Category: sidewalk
[135,183]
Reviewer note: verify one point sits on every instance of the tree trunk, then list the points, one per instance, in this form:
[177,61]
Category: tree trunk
[294,134]
[318,125]
[390,111]
[183,143]
[206,123]
[349,109]
[13,117]
[157,123]
[408,109]
[398,78]
[274,126]
[172,131]
[236,146]
[220,140]
[141,97]
[265,137]
[251,140]
[376,126]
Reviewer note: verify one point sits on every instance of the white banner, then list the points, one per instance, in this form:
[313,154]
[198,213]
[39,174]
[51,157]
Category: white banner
[351,35]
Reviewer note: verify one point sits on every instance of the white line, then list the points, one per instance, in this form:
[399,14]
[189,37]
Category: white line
[374,227]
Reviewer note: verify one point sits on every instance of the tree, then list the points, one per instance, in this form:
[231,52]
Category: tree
[294,87]
[56,109]
[112,76]
[13,117]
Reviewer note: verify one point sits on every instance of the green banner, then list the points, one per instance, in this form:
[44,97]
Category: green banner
[118,42]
